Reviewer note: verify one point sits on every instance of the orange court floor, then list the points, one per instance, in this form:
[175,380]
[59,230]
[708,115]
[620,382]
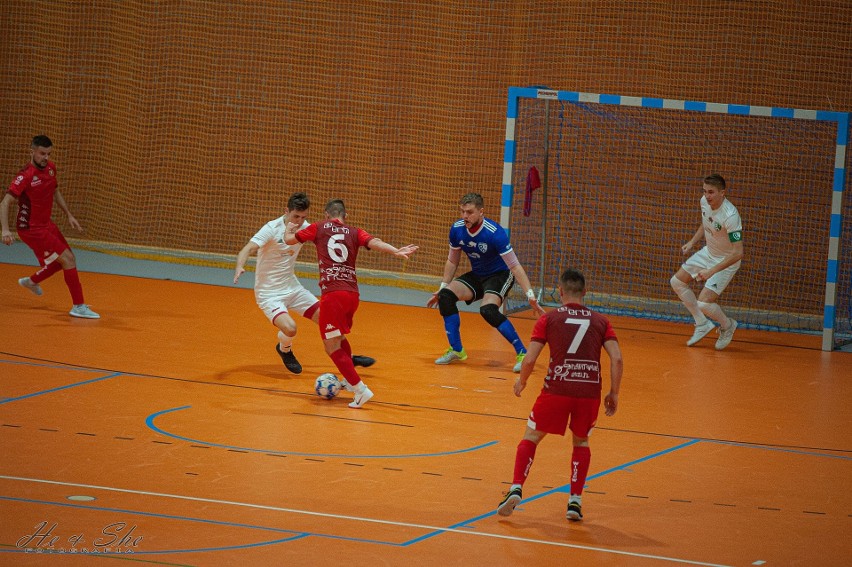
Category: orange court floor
[169,433]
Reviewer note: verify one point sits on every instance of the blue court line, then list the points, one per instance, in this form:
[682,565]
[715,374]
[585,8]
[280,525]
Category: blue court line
[149,421]
[113,375]
[565,488]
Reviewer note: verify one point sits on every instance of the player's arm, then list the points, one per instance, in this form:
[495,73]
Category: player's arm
[450,268]
[527,366]
[60,200]
[404,252]
[696,238]
[243,257]
[8,237]
[522,279]
[616,369]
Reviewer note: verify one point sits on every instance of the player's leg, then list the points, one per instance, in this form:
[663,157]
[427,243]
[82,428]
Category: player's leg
[58,250]
[584,415]
[335,321]
[549,415]
[312,313]
[46,260]
[496,288]
[286,333]
[708,302]
[460,289]
[680,284]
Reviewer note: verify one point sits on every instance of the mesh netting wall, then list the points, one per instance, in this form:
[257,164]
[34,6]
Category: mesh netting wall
[622,195]
[185,125]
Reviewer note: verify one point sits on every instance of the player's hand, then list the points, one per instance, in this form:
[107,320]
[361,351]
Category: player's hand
[686,248]
[407,250]
[237,273]
[8,237]
[519,386]
[611,403]
[433,301]
[75,224]
[703,276]
[536,307]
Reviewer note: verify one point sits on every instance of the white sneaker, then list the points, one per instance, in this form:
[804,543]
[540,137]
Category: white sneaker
[725,335]
[83,312]
[701,331]
[450,356]
[28,283]
[361,398]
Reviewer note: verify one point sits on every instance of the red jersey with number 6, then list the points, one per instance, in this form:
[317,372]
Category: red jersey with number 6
[337,248]
[34,189]
[575,335]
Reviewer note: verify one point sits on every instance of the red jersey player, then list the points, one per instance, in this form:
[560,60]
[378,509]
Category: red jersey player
[337,248]
[35,190]
[572,388]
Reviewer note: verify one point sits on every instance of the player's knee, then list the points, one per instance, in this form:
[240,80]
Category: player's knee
[447,303]
[677,285]
[705,307]
[491,313]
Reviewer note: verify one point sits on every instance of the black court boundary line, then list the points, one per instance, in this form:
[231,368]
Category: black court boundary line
[433,408]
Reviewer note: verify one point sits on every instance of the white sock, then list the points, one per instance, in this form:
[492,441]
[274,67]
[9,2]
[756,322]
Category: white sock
[285,342]
[575,498]
[687,296]
[715,312]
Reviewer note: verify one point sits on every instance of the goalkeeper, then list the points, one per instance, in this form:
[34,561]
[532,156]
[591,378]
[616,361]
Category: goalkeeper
[494,269]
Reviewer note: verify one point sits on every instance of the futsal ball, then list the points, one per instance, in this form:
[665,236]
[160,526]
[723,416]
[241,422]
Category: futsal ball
[327,385]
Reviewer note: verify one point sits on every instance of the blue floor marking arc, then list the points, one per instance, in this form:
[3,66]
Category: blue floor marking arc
[149,421]
[108,376]
[560,488]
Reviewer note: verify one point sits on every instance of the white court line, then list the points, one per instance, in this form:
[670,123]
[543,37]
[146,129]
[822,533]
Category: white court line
[466,532]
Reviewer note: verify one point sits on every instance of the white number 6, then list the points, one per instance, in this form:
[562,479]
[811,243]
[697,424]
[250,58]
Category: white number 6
[336,249]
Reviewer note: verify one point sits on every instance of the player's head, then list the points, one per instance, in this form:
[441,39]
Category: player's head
[297,208]
[40,149]
[572,283]
[714,190]
[471,209]
[335,209]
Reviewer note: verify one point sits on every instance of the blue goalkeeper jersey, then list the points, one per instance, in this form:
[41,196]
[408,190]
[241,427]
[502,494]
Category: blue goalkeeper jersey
[484,249]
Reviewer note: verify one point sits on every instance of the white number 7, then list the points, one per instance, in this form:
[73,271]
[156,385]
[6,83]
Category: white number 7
[581,332]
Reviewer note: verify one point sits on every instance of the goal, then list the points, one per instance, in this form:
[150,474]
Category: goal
[610,185]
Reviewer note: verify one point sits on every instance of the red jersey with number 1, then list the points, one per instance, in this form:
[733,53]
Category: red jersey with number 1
[575,335]
[337,248]
[34,189]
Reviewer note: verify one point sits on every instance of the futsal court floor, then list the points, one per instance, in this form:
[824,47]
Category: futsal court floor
[169,433]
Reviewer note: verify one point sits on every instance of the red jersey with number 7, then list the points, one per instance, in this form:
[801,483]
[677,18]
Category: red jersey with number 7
[337,248]
[575,335]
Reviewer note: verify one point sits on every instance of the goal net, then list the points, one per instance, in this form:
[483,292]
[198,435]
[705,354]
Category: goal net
[619,181]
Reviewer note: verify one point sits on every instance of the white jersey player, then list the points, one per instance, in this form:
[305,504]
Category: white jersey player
[715,264]
[277,290]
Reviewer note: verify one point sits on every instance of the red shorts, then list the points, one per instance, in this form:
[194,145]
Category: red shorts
[46,243]
[551,412]
[336,311]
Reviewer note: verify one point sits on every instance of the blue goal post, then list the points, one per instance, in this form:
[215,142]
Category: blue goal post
[610,184]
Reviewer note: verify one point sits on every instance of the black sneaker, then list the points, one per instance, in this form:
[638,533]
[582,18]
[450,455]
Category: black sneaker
[364,361]
[289,360]
[507,506]
[575,512]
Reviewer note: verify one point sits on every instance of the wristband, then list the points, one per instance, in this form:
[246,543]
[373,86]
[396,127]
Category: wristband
[443,285]
[530,294]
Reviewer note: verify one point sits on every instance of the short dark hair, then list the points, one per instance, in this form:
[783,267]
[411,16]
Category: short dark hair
[572,281]
[298,202]
[335,208]
[715,180]
[474,198]
[41,141]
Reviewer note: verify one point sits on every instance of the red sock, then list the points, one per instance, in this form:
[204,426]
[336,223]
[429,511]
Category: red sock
[72,280]
[580,459]
[47,271]
[347,348]
[523,460]
[343,362]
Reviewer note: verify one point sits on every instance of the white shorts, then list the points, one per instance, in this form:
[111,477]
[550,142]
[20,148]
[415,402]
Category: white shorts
[297,300]
[702,260]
